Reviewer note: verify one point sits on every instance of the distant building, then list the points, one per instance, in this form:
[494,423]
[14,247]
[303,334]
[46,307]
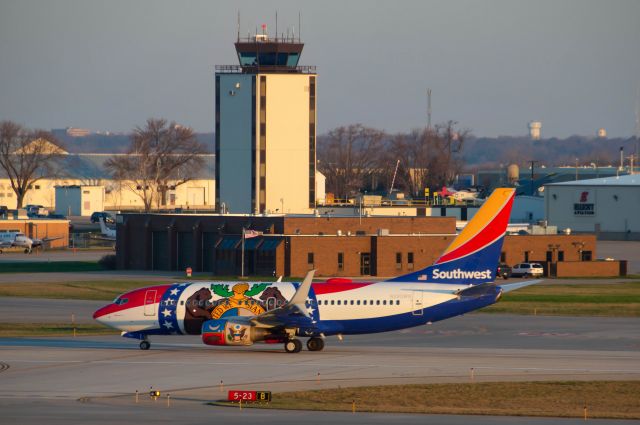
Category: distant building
[535,130]
[602,133]
[266,129]
[89,170]
[607,206]
[78,132]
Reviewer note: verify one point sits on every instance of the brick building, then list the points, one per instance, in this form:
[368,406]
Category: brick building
[335,246]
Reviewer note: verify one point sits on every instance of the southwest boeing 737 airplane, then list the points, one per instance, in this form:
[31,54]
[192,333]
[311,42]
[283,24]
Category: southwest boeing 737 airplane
[241,313]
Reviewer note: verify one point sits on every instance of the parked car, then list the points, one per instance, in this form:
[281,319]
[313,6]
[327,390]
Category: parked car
[35,210]
[108,218]
[504,271]
[527,270]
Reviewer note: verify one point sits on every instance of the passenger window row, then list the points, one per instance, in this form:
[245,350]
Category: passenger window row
[358,302]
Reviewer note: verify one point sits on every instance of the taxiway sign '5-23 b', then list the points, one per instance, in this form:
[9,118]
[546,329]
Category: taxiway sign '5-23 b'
[232,313]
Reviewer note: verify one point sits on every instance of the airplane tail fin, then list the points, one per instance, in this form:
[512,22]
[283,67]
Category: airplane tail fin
[103,226]
[474,254]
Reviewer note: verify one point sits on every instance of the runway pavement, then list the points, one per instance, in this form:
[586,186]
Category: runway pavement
[43,375]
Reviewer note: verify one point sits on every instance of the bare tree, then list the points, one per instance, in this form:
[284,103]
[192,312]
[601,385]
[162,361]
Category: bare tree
[349,155]
[161,156]
[26,156]
[429,158]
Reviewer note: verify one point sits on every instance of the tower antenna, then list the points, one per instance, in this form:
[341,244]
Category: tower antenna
[238,25]
[429,109]
[299,25]
[276,25]
[637,135]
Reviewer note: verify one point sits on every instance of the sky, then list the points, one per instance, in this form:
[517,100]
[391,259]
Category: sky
[492,65]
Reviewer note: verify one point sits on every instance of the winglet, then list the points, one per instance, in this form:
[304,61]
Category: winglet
[300,297]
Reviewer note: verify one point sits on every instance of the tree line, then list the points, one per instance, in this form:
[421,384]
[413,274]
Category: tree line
[356,158]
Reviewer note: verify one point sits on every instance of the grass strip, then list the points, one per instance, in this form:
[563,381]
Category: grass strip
[603,399]
[50,267]
[612,300]
[99,290]
[52,329]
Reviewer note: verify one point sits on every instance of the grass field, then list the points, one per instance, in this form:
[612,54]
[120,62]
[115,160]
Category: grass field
[556,399]
[52,329]
[105,290]
[50,267]
[619,300]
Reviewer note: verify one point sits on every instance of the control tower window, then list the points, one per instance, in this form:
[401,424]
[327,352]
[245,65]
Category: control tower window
[248,59]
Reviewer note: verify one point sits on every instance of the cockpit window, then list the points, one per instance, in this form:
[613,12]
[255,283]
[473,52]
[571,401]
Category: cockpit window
[120,301]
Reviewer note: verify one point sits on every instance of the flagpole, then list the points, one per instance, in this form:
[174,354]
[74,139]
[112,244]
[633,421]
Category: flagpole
[242,261]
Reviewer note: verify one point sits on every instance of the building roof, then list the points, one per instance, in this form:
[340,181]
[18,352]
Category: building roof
[626,180]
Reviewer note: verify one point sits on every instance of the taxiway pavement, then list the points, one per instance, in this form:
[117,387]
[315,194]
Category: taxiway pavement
[41,378]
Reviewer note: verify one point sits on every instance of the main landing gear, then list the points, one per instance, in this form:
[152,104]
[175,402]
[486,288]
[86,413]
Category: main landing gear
[145,344]
[315,344]
[295,346]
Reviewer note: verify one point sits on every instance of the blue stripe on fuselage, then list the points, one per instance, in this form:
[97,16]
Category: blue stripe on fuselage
[435,313]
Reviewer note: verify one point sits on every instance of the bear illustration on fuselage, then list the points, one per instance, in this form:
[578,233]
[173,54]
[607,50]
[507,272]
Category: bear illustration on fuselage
[197,311]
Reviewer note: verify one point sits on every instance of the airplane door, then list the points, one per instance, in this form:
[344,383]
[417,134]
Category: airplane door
[149,303]
[417,303]
[271,303]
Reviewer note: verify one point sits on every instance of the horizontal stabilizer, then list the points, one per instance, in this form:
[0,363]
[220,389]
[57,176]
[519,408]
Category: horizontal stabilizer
[513,286]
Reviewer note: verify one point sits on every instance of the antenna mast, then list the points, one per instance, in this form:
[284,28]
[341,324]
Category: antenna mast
[429,109]
[299,26]
[637,153]
[276,25]
[238,26]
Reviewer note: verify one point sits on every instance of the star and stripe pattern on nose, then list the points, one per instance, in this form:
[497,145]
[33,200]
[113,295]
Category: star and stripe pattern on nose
[167,310]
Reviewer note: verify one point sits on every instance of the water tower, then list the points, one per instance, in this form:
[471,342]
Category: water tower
[602,133]
[266,128]
[535,130]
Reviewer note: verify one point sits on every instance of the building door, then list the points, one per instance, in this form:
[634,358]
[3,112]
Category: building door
[195,196]
[149,303]
[417,303]
[365,263]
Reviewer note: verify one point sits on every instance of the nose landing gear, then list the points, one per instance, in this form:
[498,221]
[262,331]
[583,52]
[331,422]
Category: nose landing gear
[145,344]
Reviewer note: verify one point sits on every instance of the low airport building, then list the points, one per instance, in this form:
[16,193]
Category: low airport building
[334,246]
[87,169]
[608,207]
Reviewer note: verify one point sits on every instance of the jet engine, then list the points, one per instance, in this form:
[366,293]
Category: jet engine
[231,332]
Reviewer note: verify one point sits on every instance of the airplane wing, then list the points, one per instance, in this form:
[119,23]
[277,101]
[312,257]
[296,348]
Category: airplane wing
[513,286]
[51,239]
[294,313]
[103,238]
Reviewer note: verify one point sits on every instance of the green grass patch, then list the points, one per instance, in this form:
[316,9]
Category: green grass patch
[50,267]
[613,300]
[52,329]
[104,290]
[604,399]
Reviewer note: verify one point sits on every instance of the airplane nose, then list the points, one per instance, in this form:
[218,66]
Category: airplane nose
[101,314]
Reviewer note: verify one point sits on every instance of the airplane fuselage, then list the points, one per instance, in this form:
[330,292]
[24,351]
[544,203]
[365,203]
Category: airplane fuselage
[334,308]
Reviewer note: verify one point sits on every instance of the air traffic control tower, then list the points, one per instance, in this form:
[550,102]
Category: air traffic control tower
[266,129]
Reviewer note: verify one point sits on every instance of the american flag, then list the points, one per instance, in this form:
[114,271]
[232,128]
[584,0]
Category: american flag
[248,234]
